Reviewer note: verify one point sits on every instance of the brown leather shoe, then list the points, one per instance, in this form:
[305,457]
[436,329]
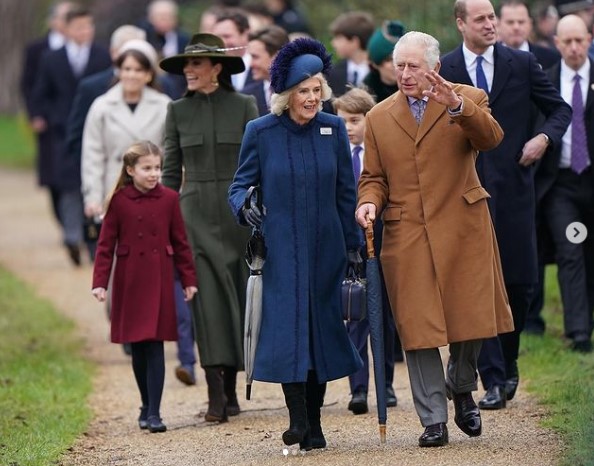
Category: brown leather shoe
[435,435]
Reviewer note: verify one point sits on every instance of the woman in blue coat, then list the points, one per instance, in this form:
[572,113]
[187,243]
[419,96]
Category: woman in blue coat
[300,157]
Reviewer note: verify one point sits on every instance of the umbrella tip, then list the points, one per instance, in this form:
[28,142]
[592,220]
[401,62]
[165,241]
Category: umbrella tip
[248,391]
[382,432]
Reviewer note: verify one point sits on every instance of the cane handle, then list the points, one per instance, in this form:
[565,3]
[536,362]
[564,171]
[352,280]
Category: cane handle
[369,240]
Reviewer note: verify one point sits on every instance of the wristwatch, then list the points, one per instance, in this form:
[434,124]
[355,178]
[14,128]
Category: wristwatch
[547,139]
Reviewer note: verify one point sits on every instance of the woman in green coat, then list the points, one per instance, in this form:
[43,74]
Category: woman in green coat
[203,133]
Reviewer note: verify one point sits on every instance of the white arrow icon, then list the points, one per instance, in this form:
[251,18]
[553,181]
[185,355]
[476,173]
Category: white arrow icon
[576,232]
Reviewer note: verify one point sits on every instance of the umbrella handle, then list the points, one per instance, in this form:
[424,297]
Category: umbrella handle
[251,192]
[369,240]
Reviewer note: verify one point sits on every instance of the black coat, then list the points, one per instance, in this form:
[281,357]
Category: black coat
[52,100]
[518,82]
[256,88]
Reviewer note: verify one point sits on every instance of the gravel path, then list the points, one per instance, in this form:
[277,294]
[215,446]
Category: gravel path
[30,248]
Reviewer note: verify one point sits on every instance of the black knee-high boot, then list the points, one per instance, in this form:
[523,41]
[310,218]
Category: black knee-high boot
[295,401]
[314,394]
[217,401]
[230,383]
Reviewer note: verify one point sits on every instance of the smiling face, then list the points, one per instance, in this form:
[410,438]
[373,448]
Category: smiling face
[200,74]
[146,172]
[261,59]
[133,76]
[304,101]
[411,66]
[479,28]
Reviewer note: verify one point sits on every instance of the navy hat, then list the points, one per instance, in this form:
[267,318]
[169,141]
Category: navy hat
[203,45]
[297,61]
[381,43]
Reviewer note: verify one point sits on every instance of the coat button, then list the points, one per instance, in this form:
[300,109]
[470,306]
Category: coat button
[140,235]
[154,251]
[139,218]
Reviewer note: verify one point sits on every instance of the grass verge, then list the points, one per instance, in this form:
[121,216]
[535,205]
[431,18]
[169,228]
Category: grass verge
[562,380]
[44,380]
[17,143]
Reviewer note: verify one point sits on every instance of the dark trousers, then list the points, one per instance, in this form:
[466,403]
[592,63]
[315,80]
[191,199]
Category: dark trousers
[499,355]
[570,200]
[148,363]
[185,335]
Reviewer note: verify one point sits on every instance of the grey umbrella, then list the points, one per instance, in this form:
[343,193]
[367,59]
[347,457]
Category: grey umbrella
[255,256]
[376,330]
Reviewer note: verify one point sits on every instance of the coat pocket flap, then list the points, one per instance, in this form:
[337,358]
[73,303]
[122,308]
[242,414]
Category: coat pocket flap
[122,250]
[475,194]
[228,138]
[392,214]
[169,250]
[186,140]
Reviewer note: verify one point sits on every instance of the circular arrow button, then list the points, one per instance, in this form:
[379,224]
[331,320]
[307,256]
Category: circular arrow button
[576,232]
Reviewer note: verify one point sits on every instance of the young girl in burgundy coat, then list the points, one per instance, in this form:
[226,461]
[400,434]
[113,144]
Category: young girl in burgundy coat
[144,229]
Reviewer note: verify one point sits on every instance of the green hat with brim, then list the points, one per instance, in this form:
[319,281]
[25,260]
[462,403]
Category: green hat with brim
[203,45]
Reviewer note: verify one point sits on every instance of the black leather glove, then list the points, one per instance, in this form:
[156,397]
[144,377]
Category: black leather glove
[355,260]
[253,215]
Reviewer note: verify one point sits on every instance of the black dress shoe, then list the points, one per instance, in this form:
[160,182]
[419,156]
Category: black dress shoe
[358,403]
[495,398]
[581,346]
[391,399]
[511,385]
[156,425]
[467,415]
[74,254]
[435,435]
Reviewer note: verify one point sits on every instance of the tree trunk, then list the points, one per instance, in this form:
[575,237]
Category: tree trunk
[18,20]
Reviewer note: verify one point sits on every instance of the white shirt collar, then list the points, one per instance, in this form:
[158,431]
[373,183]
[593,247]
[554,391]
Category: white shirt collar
[470,57]
[55,40]
[568,73]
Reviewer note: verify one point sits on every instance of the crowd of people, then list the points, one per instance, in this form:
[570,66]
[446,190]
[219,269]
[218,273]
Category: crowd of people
[474,168]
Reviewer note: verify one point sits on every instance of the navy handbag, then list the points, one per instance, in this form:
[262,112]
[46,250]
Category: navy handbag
[354,298]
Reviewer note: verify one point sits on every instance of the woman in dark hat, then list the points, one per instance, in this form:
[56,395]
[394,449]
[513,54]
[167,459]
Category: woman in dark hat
[381,80]
[301,159]
[203,132]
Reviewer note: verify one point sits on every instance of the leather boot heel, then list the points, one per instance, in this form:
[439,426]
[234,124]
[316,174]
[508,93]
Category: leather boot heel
[217,401]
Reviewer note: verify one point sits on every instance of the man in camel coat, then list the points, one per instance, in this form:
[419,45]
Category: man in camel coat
[439,256]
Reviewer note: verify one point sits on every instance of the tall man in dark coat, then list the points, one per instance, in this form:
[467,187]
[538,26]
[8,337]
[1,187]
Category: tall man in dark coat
[53,40]
[59,74]
[514,81]
[565,182]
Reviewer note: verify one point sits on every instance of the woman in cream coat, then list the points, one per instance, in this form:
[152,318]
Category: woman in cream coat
[132,110]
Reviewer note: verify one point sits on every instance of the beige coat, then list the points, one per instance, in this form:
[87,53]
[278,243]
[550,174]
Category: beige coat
[439,254]
[110,128]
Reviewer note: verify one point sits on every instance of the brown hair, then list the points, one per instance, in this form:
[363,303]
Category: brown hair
[273,37]
[130,158]
[354,24]
[355,101]
[144,62]
[460,10]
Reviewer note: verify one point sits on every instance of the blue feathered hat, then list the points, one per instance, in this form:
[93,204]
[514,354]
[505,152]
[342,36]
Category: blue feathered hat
[297,61]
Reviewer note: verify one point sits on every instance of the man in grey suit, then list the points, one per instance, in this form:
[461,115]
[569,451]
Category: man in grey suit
[515,83]
[565,182]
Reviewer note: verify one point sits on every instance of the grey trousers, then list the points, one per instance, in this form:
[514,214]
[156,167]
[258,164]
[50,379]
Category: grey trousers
[428,382]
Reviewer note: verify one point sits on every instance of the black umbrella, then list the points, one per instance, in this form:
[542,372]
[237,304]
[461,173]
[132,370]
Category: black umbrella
[255,256]
[376,330]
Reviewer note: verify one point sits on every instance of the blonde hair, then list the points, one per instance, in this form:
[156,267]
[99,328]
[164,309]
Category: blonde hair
[130,158]
[356,100]
[280,102]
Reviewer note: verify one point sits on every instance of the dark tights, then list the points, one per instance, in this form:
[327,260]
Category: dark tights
[148,363]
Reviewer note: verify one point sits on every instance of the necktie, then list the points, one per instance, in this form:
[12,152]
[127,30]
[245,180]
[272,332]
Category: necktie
[357,163]
[481,79]
[579,148]
[355,78]
[418,109]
